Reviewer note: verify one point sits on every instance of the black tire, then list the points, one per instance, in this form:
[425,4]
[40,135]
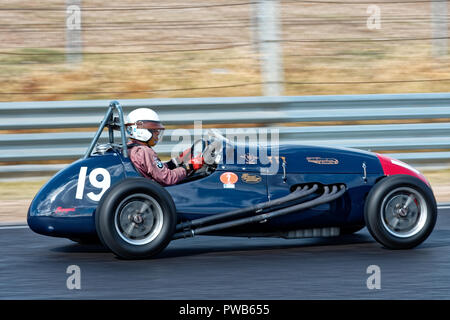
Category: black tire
[118,210]
[400,212]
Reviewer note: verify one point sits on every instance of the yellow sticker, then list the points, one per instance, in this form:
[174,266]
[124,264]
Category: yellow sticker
[251,178]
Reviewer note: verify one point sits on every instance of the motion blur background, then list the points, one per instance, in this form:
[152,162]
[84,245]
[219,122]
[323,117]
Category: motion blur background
[142,49]
[214,48]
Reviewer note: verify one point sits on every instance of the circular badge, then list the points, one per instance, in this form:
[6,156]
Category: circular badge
[228,178]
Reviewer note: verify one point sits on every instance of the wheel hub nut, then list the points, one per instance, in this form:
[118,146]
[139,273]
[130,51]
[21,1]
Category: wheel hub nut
[403,212]
[137,219]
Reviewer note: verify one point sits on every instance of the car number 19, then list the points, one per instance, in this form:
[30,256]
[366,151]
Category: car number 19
[102,184]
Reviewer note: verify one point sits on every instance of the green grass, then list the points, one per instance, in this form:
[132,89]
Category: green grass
[28,56]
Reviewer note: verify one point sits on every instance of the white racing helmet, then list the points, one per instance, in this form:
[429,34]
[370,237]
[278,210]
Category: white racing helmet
[143,124]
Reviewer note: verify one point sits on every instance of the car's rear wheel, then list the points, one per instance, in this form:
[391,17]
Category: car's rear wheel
[400,212]
[136,219]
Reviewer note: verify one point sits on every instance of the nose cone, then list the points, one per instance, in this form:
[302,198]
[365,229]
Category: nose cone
[38,223]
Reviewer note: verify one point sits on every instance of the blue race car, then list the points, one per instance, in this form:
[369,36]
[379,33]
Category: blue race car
[314,192]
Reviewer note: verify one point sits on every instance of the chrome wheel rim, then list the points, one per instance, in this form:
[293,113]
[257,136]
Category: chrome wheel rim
[404,212]
[138,219]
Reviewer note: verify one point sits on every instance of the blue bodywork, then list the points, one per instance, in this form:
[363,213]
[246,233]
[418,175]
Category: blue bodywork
[56,210]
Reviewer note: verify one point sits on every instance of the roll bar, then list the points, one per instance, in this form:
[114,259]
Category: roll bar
[112,124]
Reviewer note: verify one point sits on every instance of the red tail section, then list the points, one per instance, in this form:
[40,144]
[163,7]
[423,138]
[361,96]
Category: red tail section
[392,167]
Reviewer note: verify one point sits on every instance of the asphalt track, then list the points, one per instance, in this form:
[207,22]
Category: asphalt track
[34,267]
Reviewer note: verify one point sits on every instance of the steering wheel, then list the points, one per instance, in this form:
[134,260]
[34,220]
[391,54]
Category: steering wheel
[211,151]
[198,148]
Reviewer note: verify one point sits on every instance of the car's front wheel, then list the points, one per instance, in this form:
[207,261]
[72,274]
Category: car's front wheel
[400,212]
[136,218]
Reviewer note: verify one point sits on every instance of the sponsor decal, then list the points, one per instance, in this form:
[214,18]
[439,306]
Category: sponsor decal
[251,178]
[229,179]
[319,160]
[158,163]
[64,210]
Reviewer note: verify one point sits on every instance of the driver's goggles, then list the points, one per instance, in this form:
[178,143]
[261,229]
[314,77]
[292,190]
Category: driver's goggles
[157,133]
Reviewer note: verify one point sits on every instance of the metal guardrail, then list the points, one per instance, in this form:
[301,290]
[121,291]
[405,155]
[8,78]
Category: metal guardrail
[76,114]
[265,111]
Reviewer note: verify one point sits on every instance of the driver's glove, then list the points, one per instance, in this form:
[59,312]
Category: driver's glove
[197,162]
[193,164]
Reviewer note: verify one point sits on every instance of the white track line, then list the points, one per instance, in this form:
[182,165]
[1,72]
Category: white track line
[13,227]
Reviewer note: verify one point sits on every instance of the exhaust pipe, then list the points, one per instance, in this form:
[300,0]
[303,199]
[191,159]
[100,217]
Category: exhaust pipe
[296,195]
[326,197]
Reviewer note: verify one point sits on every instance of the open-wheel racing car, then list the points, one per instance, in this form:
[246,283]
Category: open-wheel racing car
[315,192]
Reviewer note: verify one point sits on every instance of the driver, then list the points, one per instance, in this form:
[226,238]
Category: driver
[145,131]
